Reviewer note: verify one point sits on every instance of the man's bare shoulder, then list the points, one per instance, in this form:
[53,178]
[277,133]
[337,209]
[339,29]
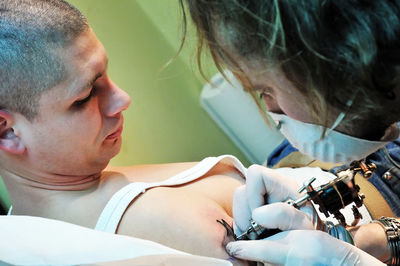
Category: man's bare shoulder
[147,172]
[159,172]
[183,217]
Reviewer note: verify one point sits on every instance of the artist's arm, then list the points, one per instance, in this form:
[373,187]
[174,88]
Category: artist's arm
[372,239]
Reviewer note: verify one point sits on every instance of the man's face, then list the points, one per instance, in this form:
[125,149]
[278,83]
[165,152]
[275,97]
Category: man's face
[78,129]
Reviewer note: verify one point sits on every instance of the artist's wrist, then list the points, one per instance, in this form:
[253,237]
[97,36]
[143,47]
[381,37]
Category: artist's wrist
[372,239]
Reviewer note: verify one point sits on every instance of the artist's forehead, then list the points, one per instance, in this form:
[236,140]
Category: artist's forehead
[252,71]
[256,74]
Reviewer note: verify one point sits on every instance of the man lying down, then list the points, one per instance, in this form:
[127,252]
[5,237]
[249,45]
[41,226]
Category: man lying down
[61,122]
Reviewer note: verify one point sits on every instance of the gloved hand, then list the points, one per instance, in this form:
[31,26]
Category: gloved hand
[265,185]
[301,247]
[294,246]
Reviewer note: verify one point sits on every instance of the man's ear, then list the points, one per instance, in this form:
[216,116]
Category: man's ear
[8,140]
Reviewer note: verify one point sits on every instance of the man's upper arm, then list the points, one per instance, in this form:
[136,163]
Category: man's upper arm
[178,220]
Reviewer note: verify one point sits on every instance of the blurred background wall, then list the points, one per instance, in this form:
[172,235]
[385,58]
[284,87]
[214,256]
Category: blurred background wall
[165,122]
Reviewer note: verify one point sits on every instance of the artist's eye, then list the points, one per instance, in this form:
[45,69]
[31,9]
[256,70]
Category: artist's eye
[82,102]
[264,92]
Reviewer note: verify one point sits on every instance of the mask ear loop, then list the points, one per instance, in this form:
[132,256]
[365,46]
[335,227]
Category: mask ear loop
[278,124]
[341,116]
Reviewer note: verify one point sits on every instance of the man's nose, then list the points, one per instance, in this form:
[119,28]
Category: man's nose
[118,101]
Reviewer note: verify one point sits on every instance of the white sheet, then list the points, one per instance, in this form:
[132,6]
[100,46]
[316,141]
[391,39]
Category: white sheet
[27,240]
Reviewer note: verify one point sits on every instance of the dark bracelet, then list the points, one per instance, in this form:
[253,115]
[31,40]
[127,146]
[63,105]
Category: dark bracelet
[392,229]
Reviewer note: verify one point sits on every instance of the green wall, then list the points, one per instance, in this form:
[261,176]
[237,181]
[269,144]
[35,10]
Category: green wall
[165,122]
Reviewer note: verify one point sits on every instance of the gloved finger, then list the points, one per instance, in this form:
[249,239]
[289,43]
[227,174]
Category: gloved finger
[258,250]
[282,216]
[310,211]
[301,247]
[261,181]
[241,210]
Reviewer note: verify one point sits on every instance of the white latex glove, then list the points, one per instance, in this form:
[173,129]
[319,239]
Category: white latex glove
[301,247]
[249,202]
[293,246]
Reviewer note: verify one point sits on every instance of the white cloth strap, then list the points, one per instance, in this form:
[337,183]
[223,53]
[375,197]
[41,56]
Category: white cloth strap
[10,211]
[119,202]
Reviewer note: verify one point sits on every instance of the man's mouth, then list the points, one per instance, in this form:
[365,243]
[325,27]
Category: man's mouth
[115,134]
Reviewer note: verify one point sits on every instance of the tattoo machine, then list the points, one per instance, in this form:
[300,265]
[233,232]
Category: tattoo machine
[330,197]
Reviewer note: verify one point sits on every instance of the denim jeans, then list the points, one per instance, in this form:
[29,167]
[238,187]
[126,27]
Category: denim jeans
[386,178]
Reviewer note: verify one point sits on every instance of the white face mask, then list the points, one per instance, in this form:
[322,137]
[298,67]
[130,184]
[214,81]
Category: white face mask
[335,147]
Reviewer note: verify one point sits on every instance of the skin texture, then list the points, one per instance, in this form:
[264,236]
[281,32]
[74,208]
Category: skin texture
[54,166]
[278,93]
[377,245]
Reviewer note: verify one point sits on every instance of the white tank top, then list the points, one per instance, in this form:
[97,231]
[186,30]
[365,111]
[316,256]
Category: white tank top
[119,202]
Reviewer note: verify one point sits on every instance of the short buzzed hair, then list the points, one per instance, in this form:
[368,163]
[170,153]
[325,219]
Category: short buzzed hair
[31,31]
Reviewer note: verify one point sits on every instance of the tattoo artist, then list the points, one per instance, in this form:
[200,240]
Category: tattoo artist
[329,74]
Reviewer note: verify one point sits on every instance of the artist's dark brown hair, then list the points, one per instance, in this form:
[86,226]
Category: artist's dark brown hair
[331,50]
